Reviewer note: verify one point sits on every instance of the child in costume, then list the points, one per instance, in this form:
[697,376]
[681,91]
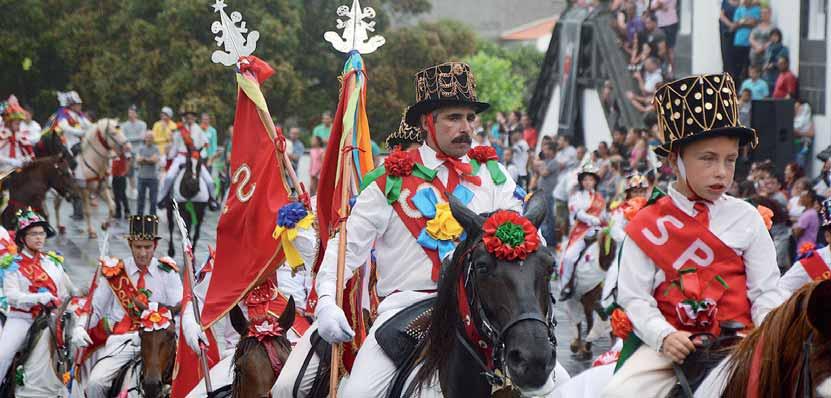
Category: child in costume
[587,209]
[695,257]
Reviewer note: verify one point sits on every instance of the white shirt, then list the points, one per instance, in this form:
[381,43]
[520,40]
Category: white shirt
[565,184]
[165,288]
[796,277]
[32,130]
[402,264]
[520,149]
[178,147]
[651,80]
[74,134]
[16,286]
[578,206]
[734,222]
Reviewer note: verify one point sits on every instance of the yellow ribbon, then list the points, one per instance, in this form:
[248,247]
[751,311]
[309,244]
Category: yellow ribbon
[287,237]
[443,226]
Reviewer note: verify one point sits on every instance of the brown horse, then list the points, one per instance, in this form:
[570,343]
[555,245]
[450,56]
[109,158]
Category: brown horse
[589,275]
[252,375]
[28,186]
[151,374]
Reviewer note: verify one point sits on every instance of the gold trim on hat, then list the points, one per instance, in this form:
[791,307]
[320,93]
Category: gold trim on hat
[446,81]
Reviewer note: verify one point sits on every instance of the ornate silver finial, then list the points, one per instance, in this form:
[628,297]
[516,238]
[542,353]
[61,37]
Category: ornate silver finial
[355,36]
[236,45]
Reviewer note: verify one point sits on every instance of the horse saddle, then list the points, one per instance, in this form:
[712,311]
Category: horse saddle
[400,335]
[704,359]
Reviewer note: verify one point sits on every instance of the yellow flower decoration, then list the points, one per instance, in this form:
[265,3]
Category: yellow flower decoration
[287,236]
[443,226]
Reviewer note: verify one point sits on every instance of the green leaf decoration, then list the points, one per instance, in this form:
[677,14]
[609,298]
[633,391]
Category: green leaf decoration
[657,193]
[497,175]
[393,189]
[19,375]
[372,176]
[722,281]
[474,166]
[423,172]
[510,234]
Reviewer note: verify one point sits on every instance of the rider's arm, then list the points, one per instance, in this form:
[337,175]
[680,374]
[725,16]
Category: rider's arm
[102,300]
[637,279]
[760,266]
[17,295]
[11,162]
[504,194]
[368,219]
[173,288]
[795,278]
[66,128]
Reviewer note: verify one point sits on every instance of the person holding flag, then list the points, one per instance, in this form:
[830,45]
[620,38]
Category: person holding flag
[122,290]
[408,266]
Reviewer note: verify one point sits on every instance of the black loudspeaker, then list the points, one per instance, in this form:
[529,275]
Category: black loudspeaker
[773,121]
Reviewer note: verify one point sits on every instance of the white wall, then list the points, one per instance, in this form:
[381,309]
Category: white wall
[595,126]
[552,115]
[785,15]
[706,43]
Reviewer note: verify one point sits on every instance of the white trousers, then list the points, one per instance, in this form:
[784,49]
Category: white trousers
[12,337]
[570,258]
[647,373]
[117,351]
[284,386]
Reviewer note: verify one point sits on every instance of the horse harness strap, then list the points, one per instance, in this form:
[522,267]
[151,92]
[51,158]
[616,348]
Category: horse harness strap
[273,356]
[805,372]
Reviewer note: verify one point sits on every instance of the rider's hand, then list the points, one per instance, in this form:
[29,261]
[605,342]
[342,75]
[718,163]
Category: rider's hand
[191,330]
[331,322]
[80,338]
[677,346]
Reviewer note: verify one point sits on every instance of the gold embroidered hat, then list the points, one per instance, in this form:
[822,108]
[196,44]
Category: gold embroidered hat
[144,228]
[698,107]
[447,84]
[405,136]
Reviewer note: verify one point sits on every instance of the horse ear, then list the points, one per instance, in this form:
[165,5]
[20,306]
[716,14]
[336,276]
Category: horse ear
[536,208]
[819,308]
[469,220]
[287,317]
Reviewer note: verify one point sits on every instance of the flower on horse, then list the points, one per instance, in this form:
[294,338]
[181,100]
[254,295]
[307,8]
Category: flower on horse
[510,236]
[155,318]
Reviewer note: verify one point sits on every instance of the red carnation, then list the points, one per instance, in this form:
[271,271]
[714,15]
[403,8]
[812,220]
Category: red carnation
[399,164]
[621,325]
[510,236]
[482,154]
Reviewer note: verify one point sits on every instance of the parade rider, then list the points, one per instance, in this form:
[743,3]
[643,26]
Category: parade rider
[814,264]
[15,146]
[124,289]
[34,279]
[70,120]
[407,270]
[587,209]
[695,257]
[188,141]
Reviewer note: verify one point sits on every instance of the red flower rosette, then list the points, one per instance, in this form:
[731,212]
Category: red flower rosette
[632,206]
[399,164]
[510,236]
[482,154]
[806,248]
[155,317]
[621,325]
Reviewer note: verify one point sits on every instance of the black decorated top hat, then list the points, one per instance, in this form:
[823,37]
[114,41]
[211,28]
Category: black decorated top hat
[825,215]
[27,219]
[447,84]
[405,135]
[144,228]
[698,107]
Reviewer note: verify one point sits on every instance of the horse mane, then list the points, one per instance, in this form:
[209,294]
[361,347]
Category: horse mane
[441,335]
[784,328]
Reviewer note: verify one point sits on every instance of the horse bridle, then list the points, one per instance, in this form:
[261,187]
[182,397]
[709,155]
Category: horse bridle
[107,137]
[805,372]
[490,332]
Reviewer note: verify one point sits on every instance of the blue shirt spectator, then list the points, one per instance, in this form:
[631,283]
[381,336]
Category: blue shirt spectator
[758,88]
[742,37]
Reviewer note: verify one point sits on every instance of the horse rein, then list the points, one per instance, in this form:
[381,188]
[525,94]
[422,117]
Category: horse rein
[496,337]
[805,373]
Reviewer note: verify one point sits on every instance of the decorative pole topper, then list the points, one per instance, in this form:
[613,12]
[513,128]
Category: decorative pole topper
[235,44]
[355,36]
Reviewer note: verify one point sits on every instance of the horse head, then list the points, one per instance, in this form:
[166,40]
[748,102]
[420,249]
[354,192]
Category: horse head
[790,351]
[107,132]
[59,176]
[158,352]
[508,301]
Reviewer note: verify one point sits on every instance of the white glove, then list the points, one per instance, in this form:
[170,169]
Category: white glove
[594,221]
[331,322]
[45,298]
[80,338]
[192,332]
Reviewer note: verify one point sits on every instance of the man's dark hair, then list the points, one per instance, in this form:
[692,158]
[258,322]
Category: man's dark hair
[551,145]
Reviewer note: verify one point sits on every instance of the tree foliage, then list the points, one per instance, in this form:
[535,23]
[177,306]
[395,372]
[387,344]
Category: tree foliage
[154,53]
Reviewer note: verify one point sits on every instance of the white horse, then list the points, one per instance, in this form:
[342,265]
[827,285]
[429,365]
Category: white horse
[92,171]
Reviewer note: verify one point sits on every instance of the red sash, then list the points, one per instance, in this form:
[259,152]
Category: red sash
[816,267]
[31,269]
[124,292]
[185,132]
[411,217]
[580,228]
[705,279]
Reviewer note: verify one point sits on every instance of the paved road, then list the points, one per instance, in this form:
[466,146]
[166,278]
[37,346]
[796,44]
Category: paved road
[81,253]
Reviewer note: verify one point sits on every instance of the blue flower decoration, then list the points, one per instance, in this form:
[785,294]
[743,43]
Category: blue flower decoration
[520,193]
[290,214]
[425,201]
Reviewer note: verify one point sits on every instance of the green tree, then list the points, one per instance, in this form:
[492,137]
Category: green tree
[496,82]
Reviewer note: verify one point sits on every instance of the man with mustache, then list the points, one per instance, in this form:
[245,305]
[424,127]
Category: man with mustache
[695,257]
[407,267]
